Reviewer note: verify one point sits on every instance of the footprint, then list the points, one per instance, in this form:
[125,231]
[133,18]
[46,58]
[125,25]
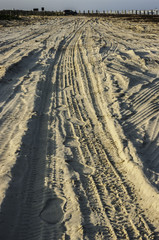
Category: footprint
[76,121]
[88,170]
[68,88]
[71,142]
[81,168]
[61,108]
[53,211]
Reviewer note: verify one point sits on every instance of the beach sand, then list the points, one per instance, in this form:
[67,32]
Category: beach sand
[79,129]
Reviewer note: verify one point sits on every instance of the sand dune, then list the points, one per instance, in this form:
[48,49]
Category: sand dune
[79,130]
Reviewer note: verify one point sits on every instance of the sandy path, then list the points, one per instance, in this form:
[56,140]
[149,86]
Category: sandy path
[79,119]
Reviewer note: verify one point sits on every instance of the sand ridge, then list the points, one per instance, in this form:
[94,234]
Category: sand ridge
[79,120]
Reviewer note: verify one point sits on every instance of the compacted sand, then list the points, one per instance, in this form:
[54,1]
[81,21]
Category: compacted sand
[79,130]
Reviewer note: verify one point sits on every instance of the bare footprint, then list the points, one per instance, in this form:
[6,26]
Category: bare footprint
[81,168]
[71,141]
[88,170]
[53,211]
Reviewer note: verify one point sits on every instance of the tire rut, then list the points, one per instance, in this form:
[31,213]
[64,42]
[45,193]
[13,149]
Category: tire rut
[72,186]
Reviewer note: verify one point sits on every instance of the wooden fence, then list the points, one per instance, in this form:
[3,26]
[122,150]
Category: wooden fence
[132,12]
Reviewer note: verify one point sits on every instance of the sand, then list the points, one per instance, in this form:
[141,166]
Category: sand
[79,130]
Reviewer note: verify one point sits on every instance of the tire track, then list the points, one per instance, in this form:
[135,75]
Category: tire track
[145,226]
[72,186]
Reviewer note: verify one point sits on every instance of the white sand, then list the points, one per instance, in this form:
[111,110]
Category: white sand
[79,130]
